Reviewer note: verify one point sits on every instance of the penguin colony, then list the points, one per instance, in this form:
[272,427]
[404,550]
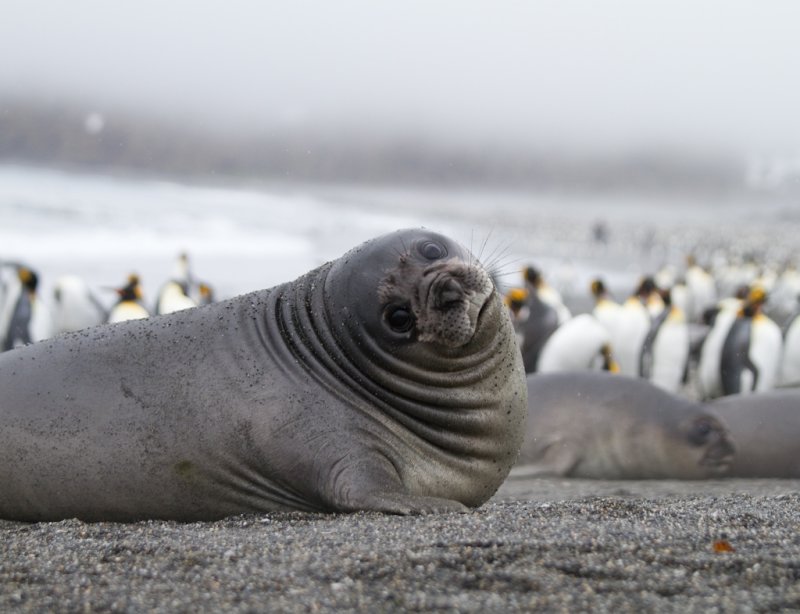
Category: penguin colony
[27,317]
[699,335]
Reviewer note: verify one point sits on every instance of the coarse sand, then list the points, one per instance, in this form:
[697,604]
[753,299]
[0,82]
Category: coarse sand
[538,545]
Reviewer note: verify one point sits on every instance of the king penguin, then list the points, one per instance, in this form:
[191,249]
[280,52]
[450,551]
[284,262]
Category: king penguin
[28,318]
[790,361]
[129,306]
[605,310]
[650,295]
[75,306]
[536,284]
[665,352]
[579,344]
[752,349]
[701,290]
[541,322]
[518,311]
[206,293]
[719,320]
[173,297]
[10,287]
[628,338]
[183,290]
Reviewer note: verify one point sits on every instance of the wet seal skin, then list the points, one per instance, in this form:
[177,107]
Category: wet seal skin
[612,427]
[386,380]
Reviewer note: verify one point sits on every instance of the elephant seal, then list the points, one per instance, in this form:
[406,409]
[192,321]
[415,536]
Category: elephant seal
[766,429]
[604,426]
[386,380]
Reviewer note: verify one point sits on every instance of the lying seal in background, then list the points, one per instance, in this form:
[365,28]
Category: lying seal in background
[604,426]
[386,380]
[766,429]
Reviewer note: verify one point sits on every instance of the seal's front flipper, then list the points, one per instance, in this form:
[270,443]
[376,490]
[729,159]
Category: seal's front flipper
[536,470]
[376,486]
[411,505]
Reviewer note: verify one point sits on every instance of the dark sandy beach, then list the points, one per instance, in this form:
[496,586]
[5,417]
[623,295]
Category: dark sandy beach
[543,545]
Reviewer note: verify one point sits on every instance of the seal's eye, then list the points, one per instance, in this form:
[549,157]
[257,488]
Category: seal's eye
[400,319]
[700,432]
[432,250]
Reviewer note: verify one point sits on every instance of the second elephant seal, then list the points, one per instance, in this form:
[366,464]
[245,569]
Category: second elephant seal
[604,426]
[766,429]
[386,380]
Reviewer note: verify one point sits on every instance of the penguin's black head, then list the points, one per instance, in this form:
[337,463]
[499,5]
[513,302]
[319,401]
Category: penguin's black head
[598,288]
[131,291]
[756,298]
[533,276]
[28,278]
[710,316]
[646,287]
[742,292]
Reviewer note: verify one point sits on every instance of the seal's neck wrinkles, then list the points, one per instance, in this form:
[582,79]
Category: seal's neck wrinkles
[432,392]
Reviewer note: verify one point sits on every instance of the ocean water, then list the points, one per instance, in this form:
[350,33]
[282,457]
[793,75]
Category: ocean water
[246,237]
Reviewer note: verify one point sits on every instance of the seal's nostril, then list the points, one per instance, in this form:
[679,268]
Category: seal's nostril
[451,292]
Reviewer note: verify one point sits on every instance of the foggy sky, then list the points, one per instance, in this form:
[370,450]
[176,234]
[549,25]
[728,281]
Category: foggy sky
[590,74]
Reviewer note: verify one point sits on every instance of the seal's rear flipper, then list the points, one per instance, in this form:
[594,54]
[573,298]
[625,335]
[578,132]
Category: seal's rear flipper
[557,460]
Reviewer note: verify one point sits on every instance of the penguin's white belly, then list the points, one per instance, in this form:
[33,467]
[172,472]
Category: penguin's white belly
[173,299]
[633,325]
[73,308]
[790,362]
[709,378]
[766,345]
[127,310]
[574,346]
[670,355]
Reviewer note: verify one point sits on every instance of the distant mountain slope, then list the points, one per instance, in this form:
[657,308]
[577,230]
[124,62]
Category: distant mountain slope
[53,135]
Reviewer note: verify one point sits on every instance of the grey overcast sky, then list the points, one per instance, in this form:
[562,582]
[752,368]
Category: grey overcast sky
[599,74]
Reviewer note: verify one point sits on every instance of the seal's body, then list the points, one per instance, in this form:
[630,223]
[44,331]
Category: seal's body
[766,429]
[603,426]
[386,380]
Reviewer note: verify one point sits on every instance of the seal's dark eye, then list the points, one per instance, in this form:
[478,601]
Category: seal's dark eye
[432,250]
[700,432]
[400,319]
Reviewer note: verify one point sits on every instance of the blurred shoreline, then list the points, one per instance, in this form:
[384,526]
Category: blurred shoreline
[248,235]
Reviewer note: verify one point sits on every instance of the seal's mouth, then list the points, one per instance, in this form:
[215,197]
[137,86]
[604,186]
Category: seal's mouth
[719,458]
[718,465]
[453,295]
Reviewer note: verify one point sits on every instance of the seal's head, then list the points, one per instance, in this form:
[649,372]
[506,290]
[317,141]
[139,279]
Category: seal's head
[424,289]
[601,426]
[709,438]
[695,444]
